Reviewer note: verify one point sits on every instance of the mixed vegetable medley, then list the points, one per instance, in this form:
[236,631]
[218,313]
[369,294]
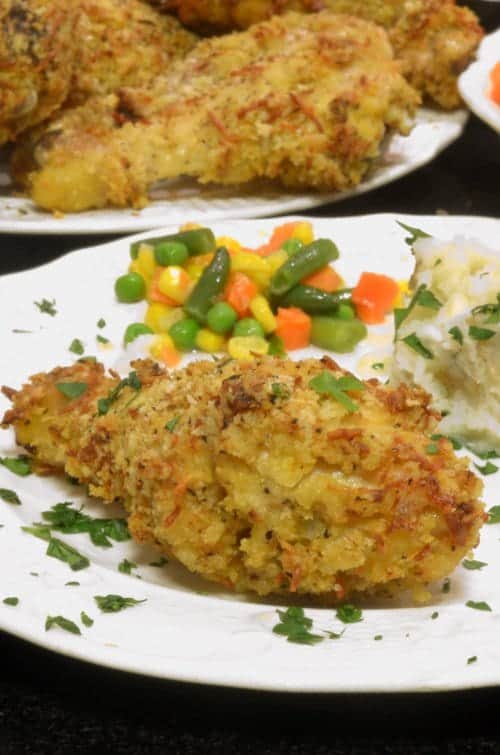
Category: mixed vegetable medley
[214,295]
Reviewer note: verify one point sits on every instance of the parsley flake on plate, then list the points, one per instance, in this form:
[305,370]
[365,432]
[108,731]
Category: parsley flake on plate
[66,553]
[72,390]
[493,515]
[295,626]
[102,339]
[479,605]
[114,603]
[11,601]
[161,562]
[488,468]
[86,620]
[101,323]
[72,584]
[378,366]
[10,496]
[47,307]
[480,334]
[473,565]
[415,233]
[126,566]
[349,614]
[325,382]
[134,330]
[434,615]
[456,334]
[38,530]
[446,585]
[76,347]
[20,465]
[379,637]
[414,342]
[63,518]
[63,623]
[132,381]
[471,659]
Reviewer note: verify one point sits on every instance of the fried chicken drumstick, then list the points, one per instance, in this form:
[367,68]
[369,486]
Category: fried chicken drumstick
[435,39]
[305,100]
[254,478]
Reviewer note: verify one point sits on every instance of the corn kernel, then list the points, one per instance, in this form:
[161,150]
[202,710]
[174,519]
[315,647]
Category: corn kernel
[248,263]
[231,244]
[194,270]
[189,226]
[159,317]
[145,262]
[404,290]
[303,232]
[208,341]
[175,283]
[159,344]
[276,260]
[259,307]
[246,348]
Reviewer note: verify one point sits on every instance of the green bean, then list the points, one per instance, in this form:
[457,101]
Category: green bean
[197,241]
[314,301]
[306,261]
[337,335]
[209,286]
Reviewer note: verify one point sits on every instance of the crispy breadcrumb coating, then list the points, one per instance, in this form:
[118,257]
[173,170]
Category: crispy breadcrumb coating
[435,39]
[36,61]
[260,489]
[304,100]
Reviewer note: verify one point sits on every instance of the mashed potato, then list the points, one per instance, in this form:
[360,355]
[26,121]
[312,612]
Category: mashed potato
[449,343]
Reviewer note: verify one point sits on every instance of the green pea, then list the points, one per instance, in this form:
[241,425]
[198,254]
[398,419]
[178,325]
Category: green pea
[292,246]
[130,287]
[248,326]
[345,311]
[171,253]
[134,330]
[221,317]
[337,335]
[183,333]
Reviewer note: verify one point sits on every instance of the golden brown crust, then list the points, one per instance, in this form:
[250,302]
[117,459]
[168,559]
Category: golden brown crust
[264,492]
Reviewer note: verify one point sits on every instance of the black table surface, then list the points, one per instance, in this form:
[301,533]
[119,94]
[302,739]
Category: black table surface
[51,704]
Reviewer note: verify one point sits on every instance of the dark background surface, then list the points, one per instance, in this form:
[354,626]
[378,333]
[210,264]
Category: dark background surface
[51,704]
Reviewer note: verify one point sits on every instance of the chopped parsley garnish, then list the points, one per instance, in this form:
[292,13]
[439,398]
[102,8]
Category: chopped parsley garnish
[479,605]
[472,659]
[63,623]
[493,515]
[280,390]
[295,626]
[86,620]
[12,601]
[72,584]
[325,382]
[20,465]
[489,468]
[34,574]
[172,424]
[87,359]
[65,519]
[68,554]
[415,233]
[378,366]
[432,449]
[132,381]
[423,297]
[473,565]
[101,339]
[434,615]
[101,323]
[333,635]
[38,530]
[446,586]
[72,390]
[47,307]
[161,562]
[126,566]
[115,603]
[414,342]
[9,496]
[134,330]
[490,311]
[349,614]
[456,334]
[379,637]
[76,346]
[480,334]
[454,442]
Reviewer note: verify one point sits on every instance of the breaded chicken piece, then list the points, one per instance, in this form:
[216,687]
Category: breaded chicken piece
[304,100]
[36,61]
[435,39]
[123,43]
[252,478]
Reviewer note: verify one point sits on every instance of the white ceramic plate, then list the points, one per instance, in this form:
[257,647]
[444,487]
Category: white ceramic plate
[474,83]
[188,629]
[433,132]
